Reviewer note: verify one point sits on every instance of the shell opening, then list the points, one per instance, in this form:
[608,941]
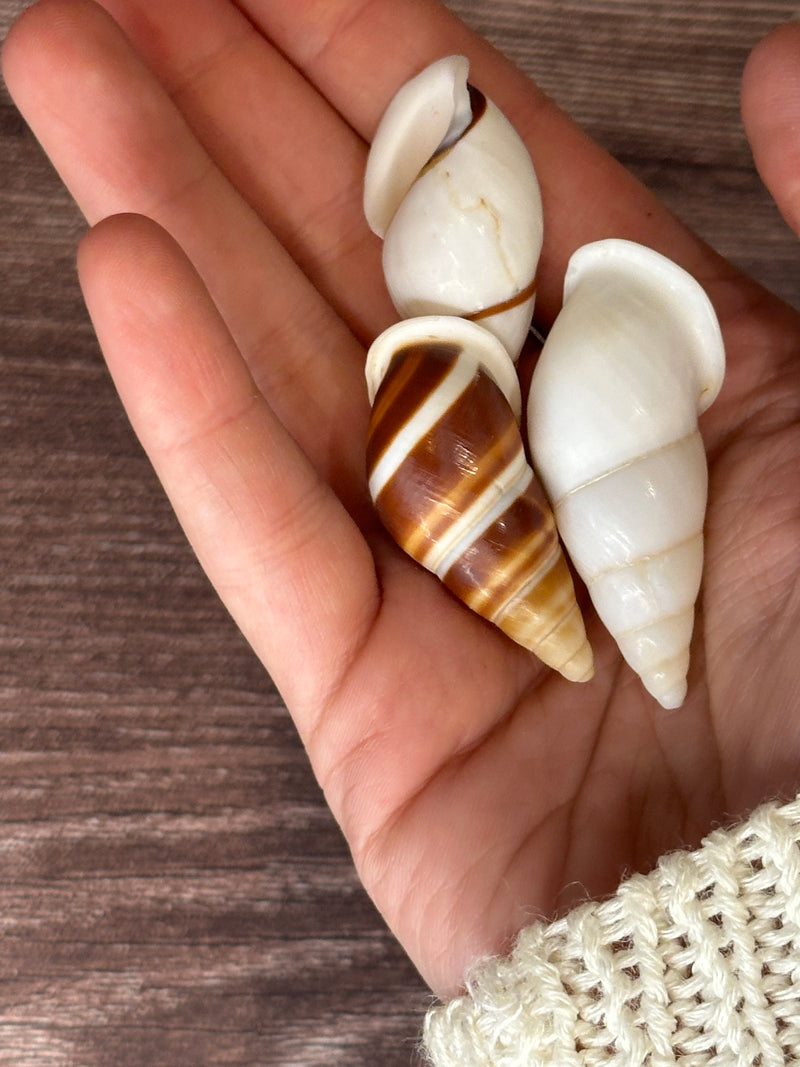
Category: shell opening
[463,115]
[427,114]
[482,345]
[638,265]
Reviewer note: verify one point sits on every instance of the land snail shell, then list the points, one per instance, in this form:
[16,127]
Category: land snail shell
[452,485]
[451,189]
[633,357]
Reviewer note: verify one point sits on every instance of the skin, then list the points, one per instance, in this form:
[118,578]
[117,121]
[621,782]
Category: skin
[233,285]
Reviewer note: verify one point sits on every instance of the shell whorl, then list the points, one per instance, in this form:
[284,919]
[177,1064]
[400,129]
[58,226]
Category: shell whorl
[452,190]
[635,354]
[451,483]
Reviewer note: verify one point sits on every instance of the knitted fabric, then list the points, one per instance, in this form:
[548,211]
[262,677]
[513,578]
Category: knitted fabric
[697,963]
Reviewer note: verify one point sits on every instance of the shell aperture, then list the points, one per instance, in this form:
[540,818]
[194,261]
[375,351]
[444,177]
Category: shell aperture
[451,483]
[632,359]
[426,115]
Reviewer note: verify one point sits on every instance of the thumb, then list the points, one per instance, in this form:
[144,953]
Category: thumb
[771,114]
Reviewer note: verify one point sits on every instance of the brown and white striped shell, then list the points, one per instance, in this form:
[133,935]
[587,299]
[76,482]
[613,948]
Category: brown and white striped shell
[451,483]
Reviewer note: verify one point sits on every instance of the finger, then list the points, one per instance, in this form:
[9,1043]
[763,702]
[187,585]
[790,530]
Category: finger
[276,543]
[120,144]
[358,54]
[278,141]
[771,114]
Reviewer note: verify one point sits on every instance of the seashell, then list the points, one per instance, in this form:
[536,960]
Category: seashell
[451,483]
[451,188]
[634,356]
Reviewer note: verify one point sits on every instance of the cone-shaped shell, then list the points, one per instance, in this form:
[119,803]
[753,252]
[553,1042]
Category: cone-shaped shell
[450,481]
[635,354]
[452,190]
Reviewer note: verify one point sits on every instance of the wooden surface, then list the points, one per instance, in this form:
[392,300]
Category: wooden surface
[173,890]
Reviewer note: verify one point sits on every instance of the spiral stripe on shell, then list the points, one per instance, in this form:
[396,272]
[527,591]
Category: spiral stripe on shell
[451,483]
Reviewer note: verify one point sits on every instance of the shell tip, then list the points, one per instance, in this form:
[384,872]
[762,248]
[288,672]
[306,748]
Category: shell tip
[673,698]
[580,666]
[669,696]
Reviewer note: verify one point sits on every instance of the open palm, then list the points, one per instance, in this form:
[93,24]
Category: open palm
[476,788]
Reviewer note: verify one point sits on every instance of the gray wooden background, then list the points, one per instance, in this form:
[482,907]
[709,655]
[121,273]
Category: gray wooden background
[173,890]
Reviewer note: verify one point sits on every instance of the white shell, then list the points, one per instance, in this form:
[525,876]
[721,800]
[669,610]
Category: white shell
[456,198]
[634,356]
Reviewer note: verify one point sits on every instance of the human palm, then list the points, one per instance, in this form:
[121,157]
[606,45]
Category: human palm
[476,788]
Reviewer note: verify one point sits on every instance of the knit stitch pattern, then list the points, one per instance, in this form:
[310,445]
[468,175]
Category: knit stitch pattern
[696,963]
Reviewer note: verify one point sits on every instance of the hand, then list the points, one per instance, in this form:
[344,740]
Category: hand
[476,788]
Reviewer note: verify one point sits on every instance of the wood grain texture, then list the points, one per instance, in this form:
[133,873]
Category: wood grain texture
[173,890]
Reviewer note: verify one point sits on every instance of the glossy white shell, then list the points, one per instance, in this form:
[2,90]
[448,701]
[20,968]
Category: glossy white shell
[634,356]
[458,204]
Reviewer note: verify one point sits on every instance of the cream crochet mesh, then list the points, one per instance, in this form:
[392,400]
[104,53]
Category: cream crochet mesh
[696,963]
